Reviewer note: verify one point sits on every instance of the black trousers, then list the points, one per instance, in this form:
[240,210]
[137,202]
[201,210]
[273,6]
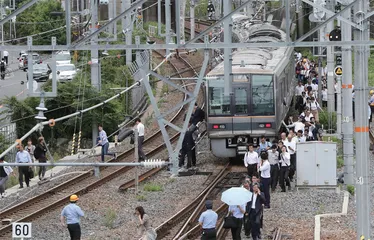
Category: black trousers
[293,166]
[209,234]
[324,104]
[252,169]
[274,173]
[75,231]
[266,189]
[140,148]
[236,231]
[24,171]
[284,171]
[6,59]
[193,155]
[182,156]
[255,224]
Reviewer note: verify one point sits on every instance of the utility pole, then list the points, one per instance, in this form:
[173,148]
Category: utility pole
[127,27]
[227,51]
[330,70]
[167,24]
[361,122]
[95,73]
[339,107]
[192,18]
[347,123]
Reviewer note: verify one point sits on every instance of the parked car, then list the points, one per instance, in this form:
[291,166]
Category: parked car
[63,58]
[65,72]
[40,72]
[22,64]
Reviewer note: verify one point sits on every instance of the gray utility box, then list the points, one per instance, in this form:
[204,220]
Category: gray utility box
[316,164]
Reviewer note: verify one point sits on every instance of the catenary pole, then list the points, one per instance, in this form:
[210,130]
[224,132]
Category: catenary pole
[361,124]
[192,18]
[347,116]
[128,28]
[167,23]
[227,5]
[95,78]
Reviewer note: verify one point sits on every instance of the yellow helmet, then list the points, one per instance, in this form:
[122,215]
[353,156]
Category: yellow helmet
[74,198]
[371,92]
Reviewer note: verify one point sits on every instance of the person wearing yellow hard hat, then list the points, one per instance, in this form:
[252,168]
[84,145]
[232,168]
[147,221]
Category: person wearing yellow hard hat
[70,218]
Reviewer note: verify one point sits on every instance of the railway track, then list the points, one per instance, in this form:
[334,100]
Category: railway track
[191,213]
[59,195]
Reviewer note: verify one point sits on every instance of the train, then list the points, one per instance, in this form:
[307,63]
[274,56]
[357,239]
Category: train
[263,84]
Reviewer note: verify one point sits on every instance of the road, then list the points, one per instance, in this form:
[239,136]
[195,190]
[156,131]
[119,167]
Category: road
[11,85]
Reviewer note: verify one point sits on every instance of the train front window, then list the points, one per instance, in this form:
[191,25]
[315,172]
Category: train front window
[262,94]
[219,104]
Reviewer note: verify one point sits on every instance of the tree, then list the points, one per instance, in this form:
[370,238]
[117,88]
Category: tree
[40,15]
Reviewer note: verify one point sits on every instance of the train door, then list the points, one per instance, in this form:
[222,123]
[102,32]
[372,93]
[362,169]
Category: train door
[240,109]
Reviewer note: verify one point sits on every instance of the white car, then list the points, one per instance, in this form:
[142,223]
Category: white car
[65,72]
[63,58]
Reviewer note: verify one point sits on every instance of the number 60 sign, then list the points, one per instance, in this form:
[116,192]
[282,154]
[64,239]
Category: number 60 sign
[21,230]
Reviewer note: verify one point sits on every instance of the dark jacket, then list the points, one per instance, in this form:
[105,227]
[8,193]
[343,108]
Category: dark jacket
[188,141]
[197,116]
[40,153]
[258,205]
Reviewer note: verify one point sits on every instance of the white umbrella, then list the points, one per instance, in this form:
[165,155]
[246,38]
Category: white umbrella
[236,196]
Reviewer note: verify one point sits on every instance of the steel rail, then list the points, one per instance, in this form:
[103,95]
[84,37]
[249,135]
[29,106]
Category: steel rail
[78,179]
[165,227]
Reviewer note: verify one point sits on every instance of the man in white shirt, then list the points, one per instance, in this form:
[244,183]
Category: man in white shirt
[265,177]
[6,55]
[273,156]
[299,125]
[324,97]
[140,128]
[291,148]
[251,160]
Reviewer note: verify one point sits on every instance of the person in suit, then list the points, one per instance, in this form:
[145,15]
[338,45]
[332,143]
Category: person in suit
[254,210]
[198,115]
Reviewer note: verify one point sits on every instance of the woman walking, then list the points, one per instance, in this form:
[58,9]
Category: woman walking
[40,154]
[4,175]
[145,229]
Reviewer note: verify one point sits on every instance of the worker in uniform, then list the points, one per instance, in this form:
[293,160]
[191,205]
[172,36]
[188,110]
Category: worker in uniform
[208,222]
[70,217]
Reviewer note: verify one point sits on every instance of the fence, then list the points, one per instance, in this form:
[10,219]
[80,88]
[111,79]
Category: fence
[138,94]
[10,135]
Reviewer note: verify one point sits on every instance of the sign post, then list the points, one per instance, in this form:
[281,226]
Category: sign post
[338,71]
[21,230]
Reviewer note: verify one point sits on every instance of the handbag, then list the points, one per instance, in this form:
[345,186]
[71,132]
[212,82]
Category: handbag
[132,139]
[31,173]
[230,222]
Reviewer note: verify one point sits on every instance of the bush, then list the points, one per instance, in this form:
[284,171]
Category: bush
[324,120]
[339,162]
[351,189]
[110,218]
[141,198]
[153,187]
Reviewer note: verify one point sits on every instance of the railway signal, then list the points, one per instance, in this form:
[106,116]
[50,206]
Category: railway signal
[335,35]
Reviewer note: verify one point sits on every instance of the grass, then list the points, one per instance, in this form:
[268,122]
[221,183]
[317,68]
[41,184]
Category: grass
[141,198]
[165,89]
[12,180]
[153,187]
[148,121]
[339,162]
[351,189]
[110,218]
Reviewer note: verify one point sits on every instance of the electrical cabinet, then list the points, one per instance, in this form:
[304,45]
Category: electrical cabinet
[316,164]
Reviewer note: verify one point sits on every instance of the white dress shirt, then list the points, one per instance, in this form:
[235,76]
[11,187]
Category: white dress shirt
[140,128]
[251,158]
[273,157]
[265,169]
[291,144]
[254,198]
[285,159]
[299,90]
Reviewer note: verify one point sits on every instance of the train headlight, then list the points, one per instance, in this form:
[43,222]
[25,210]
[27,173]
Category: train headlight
[240,139]
[219,126]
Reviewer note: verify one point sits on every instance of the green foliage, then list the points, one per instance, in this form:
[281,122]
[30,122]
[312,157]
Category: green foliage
[339,161]
[201,9]
[141,198]
[110,218]
[40,14]
[153,187]
[324,120]
[351,189]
